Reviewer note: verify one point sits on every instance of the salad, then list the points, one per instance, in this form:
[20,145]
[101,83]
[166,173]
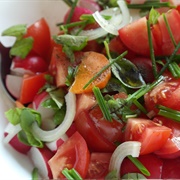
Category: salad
[99,99]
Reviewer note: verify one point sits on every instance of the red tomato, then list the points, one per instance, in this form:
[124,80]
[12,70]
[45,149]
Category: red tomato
[171,149]
[151,135]
[30,87]
[112,131]
[171,168]
[98,166]
[166,93]
[42,38]
[33,63]
[135,35]
[95,141]
[152,163]
[73,153]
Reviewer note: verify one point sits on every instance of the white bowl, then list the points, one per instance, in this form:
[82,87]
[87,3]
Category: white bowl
[13,164]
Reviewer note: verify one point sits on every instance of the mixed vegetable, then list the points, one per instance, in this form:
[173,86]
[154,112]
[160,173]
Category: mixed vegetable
[100,99]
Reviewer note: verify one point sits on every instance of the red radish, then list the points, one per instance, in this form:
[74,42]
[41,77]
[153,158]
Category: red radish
[90,4]
[13,84]
[40,158]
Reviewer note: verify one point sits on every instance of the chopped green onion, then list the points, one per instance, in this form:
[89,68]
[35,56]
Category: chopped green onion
[171,58]
[71,174]
[154,67]
[104,68]
[102,103]
[174,69]
[139,165]
[35,175]
[169,113]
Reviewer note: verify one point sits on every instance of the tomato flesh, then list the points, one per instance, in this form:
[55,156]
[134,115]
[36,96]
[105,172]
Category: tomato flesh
[73,153]
[151,135]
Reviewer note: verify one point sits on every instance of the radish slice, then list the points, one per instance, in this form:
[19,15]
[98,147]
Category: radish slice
[11,131]
[40,158]
[13,84]
[52,135]
[89,4]
[127,148]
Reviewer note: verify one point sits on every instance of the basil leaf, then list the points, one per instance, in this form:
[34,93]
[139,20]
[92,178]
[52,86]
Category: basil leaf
[17,31]
[128,74]
[70,76]
[76,43]
[59,115]
[22,47]
[13,115]
[153,16]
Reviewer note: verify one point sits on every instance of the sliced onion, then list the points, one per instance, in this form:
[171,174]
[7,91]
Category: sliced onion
[11,131]
[122,18]
[52,135]
[125,149]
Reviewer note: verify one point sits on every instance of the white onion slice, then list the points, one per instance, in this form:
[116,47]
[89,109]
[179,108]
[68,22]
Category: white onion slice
[127,148]
[121,16]
[52,135]
[12,130]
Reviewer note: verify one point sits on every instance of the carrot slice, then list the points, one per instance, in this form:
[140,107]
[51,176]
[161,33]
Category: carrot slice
[91,64]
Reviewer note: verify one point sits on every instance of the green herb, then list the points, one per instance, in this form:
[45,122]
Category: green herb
[59,115]
[135,176]
[25,117]
[139,165]
[70,76]
[71,43]
[35,175]
[153,16]
[154,66]
[169,113]
[149,4]
[22,47]
[102,103]
[111,175]
[17,31]
[174,69]
[71,174]
[104,68]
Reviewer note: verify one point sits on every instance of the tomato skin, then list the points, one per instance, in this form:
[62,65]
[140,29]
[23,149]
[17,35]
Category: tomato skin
[151,135]
[95,141]
[73,153]
[30,87]
[99,165]
[152,163]
[42,38]
[166,93]
[171,149]
[33,63]
[171,168]
[112,131]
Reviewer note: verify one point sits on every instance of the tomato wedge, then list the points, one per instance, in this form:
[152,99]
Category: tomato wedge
[73,153]
[151,135]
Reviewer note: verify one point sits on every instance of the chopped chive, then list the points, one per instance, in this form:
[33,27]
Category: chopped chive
[102,103]
[35,175]
[149,5]
[169,30]
[103,69]
[71,174]
[139,165]
[169,113]
[174,69]
[154,67]
[171,58]
[140,106]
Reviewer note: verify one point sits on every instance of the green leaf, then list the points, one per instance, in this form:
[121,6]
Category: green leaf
[58,96]
[127,73]
[22,47]
[16,31]
[70,76]
[153,16]
[59,115]
[76,43]
[135,176]
[13,115]
[49,103]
